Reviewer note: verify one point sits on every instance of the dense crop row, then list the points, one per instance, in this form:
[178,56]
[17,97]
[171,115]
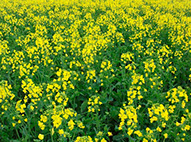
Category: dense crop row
[95,70]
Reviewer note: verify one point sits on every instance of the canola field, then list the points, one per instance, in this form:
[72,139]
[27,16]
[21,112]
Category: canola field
[95,70]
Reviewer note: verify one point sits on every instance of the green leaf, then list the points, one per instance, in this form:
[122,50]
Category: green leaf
[84,105]
[114,112]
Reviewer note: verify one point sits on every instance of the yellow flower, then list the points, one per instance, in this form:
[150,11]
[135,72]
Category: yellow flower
[71,124]
[183,104]
[145,140]
[84,139]
[109,134]
[99,134]
[138,133]
[154,140]
[148,129]
[177,124]
[25,120]
[154,118]
[13,124]
[32,108]
[41,125]
[41,136]
[103,140]
[158,129]
[80,125]
[60,131]
[52,131]
[89,88]
[43,118]
[165,135]
[57,120]
[187,127]
[163,124]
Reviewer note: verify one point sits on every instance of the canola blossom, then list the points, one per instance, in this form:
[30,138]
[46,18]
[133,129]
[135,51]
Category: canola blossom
[95,70]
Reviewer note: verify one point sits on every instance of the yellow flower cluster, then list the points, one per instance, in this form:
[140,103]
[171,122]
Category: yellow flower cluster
[105,65]
[176,94]
[137,79]
[149,66]
[134,92]
[5,93]
[20,107]
[3,46]
[158,110]
[84,139]
[128,117]
[90,75]
[94,103]
[127,57]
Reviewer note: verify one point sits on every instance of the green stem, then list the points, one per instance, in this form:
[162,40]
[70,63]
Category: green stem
[97,121]
[52,140]
[18,134]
